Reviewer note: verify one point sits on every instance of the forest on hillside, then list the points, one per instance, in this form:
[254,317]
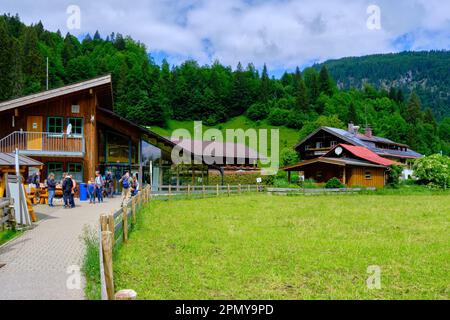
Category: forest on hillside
[150,94]
[427,73]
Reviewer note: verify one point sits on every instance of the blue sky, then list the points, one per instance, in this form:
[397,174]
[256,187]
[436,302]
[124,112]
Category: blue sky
[281,33]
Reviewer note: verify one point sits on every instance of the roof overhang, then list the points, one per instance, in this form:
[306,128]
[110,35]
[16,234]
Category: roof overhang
[332,161]
[8,159]
[54,93]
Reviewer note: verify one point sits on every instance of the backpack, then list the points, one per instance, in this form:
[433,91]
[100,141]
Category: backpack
[125,183]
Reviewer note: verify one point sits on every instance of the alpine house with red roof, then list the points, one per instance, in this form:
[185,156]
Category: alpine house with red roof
[354,158]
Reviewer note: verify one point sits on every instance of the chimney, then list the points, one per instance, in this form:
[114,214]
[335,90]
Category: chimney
[350,128]
[368,132]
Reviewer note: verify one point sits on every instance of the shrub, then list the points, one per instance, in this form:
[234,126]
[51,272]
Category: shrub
[288,156]
[394,173]
[278,117]
[334,183]
[433,171]
[257,111]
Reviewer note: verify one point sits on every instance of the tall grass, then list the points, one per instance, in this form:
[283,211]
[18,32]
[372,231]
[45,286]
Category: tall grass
[91,263]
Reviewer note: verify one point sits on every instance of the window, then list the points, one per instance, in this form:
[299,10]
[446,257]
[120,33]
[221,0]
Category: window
[56,168]
[319,144]
[55,125]
[333,143]
[77,126]
[75,170]
[368,175]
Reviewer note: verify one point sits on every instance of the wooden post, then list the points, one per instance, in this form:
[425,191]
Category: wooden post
[111,227]
[228,190]
[217,190]
[133,210]
[108,263]
[104,222]
[189,190]
[125,223]
[170,190]
[126,294]
[248,188]
[239,188]
[203,191]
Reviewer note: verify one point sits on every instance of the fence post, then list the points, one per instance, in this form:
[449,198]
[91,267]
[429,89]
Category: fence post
[228,190]
[189,190]
[170,190]
[12,216]
[217,190]
[104,222]
[125,223]
[133,210]
[108,263]
[239,188]
[203,191]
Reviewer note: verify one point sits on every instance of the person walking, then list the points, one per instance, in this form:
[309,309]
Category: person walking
[72,193]
[109,184]
[99,186]
[126,182]
[51,187]
[91,191]
[67,187]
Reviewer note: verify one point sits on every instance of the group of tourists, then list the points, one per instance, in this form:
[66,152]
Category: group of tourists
[97,188]
[68,186]
[101,185]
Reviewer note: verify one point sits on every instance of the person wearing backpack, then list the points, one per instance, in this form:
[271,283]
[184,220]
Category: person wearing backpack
[126,182]
[67,190]
[99,186]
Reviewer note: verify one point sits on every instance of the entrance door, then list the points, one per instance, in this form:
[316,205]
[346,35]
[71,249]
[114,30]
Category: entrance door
[34,137]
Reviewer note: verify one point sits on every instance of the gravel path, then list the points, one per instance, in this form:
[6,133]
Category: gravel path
[40,263]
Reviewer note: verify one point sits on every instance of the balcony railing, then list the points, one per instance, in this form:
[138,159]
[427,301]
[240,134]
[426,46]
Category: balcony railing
[43,144]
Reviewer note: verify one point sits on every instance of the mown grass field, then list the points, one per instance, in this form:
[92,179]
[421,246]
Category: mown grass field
[275,247]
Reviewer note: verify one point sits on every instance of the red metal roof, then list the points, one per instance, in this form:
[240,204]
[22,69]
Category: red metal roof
[366,154]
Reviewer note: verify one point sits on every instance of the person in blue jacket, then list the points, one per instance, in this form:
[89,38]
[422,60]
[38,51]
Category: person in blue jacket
[91,190]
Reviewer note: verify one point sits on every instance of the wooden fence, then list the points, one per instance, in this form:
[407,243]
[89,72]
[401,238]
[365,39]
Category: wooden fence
[186,192]
[114,227]
[7,218]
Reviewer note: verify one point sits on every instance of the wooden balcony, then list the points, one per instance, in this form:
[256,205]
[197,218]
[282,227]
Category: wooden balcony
[43,144]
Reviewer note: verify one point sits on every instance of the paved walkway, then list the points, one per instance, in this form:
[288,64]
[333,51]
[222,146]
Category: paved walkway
[37,262]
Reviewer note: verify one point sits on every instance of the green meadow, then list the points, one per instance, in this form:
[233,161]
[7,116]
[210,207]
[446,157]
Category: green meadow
[276,247]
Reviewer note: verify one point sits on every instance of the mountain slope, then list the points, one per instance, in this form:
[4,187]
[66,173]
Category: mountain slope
[427,73]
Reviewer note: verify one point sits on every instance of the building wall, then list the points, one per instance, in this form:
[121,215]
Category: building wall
[357,177]
[61,107]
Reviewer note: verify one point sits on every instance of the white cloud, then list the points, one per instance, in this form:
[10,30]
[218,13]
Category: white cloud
[282,33]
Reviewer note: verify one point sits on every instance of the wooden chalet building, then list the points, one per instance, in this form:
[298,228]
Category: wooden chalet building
[38,125]
[356,159]
[74,129]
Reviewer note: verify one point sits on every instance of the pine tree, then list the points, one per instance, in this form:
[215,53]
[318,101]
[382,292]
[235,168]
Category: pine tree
[300,94]
[352,115]
[312,85]
[264,86]
[325,85]
[413,109]
[97,36]
[32,62]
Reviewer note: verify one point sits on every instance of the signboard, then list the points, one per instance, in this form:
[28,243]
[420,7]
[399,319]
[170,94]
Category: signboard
[16,190]
[258,180]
